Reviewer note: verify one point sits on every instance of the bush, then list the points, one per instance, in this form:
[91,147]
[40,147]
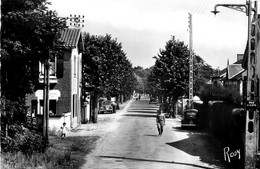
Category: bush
[22,139]
[228,94]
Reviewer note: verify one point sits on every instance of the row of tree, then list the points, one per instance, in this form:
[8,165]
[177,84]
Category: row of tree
[106,70]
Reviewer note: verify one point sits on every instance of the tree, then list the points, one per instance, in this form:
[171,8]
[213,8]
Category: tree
[106,69]
[30,33]
[169,77]
[170,73]
[202,74]
[142,75]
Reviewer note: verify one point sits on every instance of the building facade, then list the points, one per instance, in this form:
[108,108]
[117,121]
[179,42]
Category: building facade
[65,84]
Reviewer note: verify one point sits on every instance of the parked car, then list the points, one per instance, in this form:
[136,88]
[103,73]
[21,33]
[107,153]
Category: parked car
[189,118]
[169,111]
[106,106]
[153,100]
[115,104]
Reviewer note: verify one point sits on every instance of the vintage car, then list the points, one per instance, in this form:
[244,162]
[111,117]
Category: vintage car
[115,104]
[106,107]
[153,100]
[189,118]
[169,111]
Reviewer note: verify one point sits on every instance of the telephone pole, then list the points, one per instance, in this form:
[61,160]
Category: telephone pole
[190,104]
[46,100]
[251,104]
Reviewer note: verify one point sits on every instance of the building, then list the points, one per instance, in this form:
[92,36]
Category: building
[232,75]
[65,103]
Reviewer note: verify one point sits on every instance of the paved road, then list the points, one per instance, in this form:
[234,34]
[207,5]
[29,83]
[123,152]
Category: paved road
[134,144]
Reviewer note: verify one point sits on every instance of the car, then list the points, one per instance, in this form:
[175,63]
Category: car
[189,118]
[169,111]
[115,104]
[153,100]
[106,106]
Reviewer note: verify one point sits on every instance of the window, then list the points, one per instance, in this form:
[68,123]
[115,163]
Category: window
[74,105]
[52,107]
[75,66]
[52,71]
[52,68]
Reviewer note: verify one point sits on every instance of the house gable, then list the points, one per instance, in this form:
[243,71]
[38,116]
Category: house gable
[234,70]
[72,38]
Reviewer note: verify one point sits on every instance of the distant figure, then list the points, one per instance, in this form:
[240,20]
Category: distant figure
[139,96]
[63,130]
[160,121]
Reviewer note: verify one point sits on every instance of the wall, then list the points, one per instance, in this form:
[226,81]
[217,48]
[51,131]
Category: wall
[55,123]
[64,86]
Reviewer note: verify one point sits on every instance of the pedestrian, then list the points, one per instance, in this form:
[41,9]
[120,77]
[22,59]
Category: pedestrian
[63,130]
[139,96]
[160,120]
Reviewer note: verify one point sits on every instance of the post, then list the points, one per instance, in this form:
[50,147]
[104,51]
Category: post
[46,101]
[190,64]
[252,119]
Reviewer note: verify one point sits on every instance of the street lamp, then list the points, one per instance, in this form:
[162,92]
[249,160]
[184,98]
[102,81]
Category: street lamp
[251,137]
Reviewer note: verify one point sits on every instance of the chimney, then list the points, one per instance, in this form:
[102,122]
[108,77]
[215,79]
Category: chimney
[240,56]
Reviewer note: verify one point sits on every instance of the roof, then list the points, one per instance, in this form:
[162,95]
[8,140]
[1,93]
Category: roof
[71,37]
[244,63]
[234,70]
[222,72]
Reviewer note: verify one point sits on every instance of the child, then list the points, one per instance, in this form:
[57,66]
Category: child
[63,130]
[160,121]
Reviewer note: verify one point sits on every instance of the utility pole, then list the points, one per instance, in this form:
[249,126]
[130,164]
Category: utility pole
[190,104]
[251,105]
[46,103]
[46,100]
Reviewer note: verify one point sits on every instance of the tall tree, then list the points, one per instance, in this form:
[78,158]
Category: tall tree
[171,69]
[142,75]
[29,34]
[106,69]
[170,75]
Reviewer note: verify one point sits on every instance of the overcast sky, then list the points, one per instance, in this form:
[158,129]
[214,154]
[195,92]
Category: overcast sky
[144,26]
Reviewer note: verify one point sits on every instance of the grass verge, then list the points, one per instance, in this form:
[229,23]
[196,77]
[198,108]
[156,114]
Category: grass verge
[64,153]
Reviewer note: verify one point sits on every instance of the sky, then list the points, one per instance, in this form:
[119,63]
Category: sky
[144,26]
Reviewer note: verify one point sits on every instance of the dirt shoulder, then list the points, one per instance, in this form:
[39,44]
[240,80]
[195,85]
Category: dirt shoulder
[106,123]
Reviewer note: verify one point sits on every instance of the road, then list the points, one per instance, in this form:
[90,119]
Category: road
[133,143]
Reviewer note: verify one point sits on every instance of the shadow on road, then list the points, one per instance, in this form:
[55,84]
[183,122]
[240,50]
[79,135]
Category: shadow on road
[157,161]
[200,144]
[142,111]
[190,130]
[151,135]
[140,115]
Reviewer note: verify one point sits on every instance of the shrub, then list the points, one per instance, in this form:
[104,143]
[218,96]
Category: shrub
[22,139]
[228,94]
